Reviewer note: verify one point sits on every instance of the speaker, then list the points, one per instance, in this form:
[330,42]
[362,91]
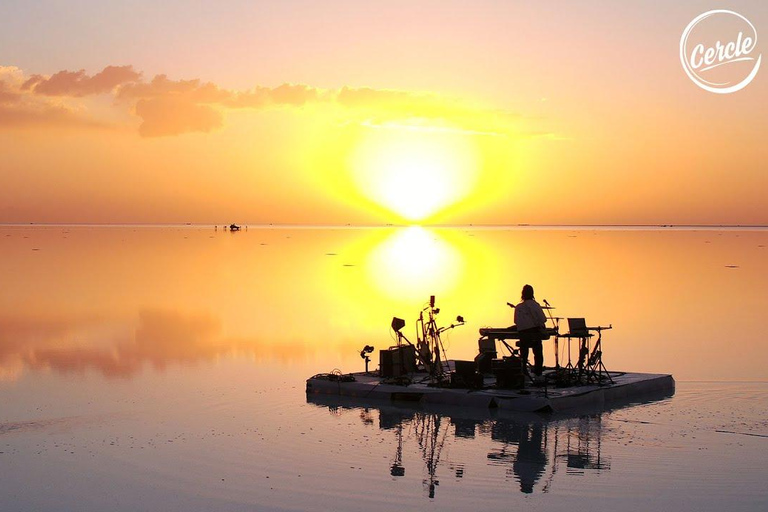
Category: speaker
[394,361]
[465,367]
[484,360]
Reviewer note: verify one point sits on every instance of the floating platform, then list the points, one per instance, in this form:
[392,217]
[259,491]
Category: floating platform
[626,388]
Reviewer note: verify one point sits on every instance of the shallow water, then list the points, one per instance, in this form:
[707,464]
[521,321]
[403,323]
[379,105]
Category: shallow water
[164,368]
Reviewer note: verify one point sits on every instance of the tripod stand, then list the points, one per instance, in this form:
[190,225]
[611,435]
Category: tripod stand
[430,346]
[595,366]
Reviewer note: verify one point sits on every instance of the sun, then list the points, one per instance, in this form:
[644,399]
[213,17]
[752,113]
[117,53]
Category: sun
[415,173]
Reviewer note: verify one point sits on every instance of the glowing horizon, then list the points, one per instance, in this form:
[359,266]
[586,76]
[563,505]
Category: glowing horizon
[498,118]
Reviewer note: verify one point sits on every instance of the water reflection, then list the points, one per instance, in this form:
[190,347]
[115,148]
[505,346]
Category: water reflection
[157,338]
[523,448]
[529,449]
[415,263]
[118,299]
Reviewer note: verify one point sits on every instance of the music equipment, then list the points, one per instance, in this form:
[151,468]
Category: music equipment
[397,361]
[509,373]
[466,376]
[511,333]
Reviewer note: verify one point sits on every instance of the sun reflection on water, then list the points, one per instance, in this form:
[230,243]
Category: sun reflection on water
[414,263]
[183,297]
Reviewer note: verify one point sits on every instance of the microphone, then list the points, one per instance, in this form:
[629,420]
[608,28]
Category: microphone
[546,303]
[511,305]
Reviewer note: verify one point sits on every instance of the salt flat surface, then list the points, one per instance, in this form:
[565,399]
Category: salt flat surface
[165,369]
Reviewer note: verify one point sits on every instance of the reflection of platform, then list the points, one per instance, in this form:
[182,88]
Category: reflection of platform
[529,446]
[626,387]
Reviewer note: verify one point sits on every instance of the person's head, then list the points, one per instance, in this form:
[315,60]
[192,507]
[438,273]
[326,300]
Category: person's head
[527,292]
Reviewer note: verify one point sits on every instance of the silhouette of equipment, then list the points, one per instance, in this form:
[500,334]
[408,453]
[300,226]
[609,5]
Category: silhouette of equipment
[588,369]
[589,366]
[364,354]
[428,352]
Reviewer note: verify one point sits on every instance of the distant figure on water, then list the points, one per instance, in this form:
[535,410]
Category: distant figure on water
[530,321]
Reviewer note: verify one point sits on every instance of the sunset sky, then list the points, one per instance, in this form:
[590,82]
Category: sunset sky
[306,112]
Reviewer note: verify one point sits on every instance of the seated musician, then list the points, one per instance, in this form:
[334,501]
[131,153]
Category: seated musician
[530,322]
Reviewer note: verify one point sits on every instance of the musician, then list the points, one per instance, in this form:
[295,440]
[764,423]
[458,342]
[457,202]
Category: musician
[530,322]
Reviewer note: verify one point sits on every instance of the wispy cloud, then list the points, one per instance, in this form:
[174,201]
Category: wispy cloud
[168,107]
[175,115]
[77,83]
[20,108]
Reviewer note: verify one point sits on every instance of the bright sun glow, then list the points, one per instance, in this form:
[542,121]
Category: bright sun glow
[414,173]
[414,263]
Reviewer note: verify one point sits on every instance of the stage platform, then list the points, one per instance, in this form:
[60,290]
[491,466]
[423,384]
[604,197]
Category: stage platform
[626,387]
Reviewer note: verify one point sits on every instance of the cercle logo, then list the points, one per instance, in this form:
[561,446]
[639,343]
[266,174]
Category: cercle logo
[718,50]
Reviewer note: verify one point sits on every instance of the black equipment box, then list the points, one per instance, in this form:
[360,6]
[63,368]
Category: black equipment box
[397,361]
[465,367]
[509,373]
[486,354]
[484,360]
[467,380]
[466,376]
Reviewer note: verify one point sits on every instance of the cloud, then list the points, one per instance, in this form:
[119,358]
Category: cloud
[20,108]
[168,107]
[11,78]
[286,94]
[77,83]
[161,86]
[174,116]
[425,112]
[7,94]
[195,91]
[173,107]
[160,338]
[296,95]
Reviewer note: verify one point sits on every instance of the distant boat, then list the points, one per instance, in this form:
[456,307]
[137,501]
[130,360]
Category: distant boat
[234,227]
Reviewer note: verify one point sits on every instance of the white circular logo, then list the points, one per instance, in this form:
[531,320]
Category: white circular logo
[718,50]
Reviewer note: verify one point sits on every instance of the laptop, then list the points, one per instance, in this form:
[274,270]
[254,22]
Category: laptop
[578,327]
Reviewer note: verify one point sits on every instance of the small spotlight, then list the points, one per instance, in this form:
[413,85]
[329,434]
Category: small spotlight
[364,354]
[397,324]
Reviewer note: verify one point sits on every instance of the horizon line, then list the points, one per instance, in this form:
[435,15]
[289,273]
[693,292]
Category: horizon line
[275,225]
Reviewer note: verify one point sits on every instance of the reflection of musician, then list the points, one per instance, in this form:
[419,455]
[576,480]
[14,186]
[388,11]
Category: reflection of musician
[530,460]
[530,321]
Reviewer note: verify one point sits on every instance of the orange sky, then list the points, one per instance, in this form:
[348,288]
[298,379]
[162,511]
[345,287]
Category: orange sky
[447,112]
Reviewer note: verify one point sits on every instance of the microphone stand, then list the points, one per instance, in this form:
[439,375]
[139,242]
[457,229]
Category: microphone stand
[557,333]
